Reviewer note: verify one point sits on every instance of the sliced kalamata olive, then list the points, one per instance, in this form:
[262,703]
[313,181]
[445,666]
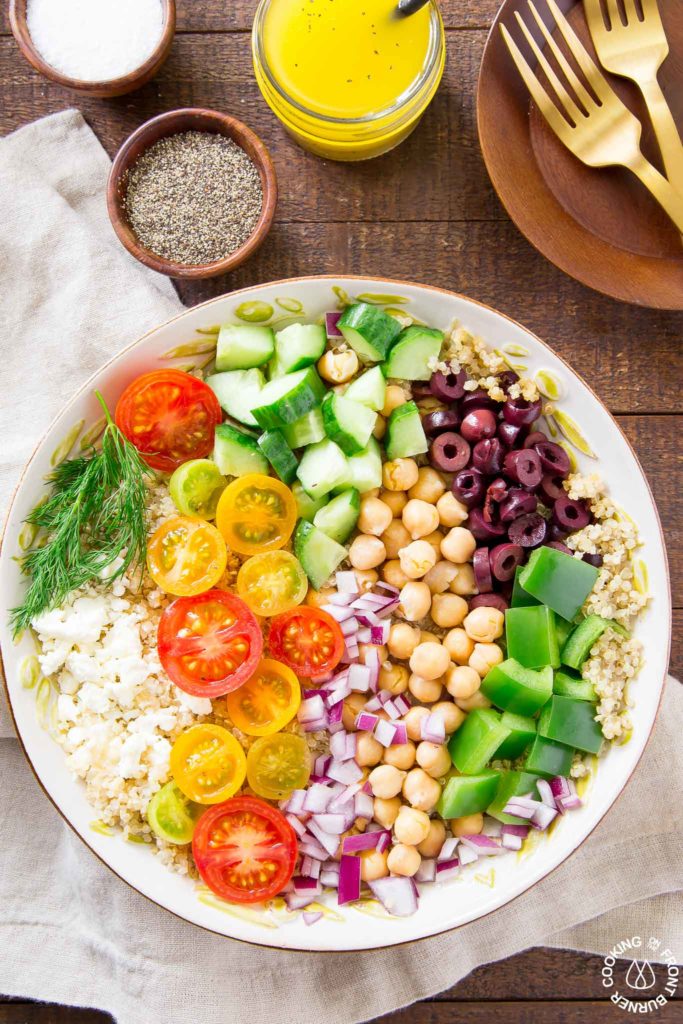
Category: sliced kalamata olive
[524,467]
[554,458]
[448,386]
[439,421]
[529,531]
[483,531]
[570,515]
[469,487]
[556,532]
[592,559]
[535,437]
[495,493]
[518,503]
[478,399]
[520,412]
[478,424]
[487,455]
[449,452]
[504,559]
[511,435]
[559,546]
[489,601]
[506,379]
[550,489]
[421,389]
[482,570]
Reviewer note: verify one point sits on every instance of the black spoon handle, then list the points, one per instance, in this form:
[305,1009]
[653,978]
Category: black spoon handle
[410,6]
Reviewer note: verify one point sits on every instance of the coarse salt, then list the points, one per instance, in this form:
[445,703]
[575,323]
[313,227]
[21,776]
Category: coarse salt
[95,40]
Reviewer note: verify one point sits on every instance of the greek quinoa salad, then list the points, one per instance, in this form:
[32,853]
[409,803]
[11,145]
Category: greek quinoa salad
[335,617]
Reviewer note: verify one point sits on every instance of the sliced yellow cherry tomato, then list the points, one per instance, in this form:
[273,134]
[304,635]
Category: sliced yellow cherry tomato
[278,764]
[186,556]
[208,764]
[267,701]
[272,582]
[256,513]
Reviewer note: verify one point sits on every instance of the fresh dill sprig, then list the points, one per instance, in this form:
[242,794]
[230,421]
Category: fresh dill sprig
[94,516]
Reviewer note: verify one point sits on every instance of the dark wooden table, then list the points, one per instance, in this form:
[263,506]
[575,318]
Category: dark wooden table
[427,213]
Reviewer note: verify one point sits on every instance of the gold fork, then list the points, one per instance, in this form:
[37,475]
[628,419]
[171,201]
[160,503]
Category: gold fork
[636,50]
[601,132]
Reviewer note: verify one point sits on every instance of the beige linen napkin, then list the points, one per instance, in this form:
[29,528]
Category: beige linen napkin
[70,931]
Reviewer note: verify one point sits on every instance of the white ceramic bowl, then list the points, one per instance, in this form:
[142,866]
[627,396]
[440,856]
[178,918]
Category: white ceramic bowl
[481,888]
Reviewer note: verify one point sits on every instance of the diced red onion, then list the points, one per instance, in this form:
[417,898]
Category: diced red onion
[349,627]
[520,831]
[389,587]
[384,841]
[392,711]
[568,803]
[365,722]
[359,678]
[367,618]
[340,599]
[306,694]
[482,845]
[332,824]
[349,879]
[447,869]
[316,798]
[310,868]
[306,886]
[432,729]
[364,841]
[295,803]
[346,772]
[297,825]
[521,806]
[342,800]
[371,661]
[328,842]
[321,764]
[491,826]
[340,613]
[331,329]
[295,901]
[542,816]
[401,734]
[329,874]
[342,689]
[384,732]
[545,793]
[559,786]
[346,581]
[313,917]
[512,842]
[363,805]
[343,745]
[448,849]
[379,634]
[312,709]
[402,704]
[335,714]
[426,871]
[311,848]
[466,855]
[397,895]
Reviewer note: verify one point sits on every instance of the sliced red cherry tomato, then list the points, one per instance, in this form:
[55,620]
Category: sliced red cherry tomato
[170,417]
[307,639]
[209,644]
[245,850]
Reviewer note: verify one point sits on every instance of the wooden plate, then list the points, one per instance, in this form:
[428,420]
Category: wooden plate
[598,225]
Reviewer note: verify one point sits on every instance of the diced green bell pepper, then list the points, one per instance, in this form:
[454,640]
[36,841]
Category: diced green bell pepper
[531,637]
[477,740]
[522,732]
[562,630]
[578,645]
[548,758]
[512,784]
[567,685]
[558,580]
[468,794]
[519,597]
[571,722]
[513,687]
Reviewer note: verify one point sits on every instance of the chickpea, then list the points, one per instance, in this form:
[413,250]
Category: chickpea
[386,781]
[484,657]
[374,517]
[386,811]
[417,558]
[366,651]
[451,511]
[393,397]
[317,598]
[430,660]
[436,837]
[473,703]
[366,579]
[411,826]
[338,367]
[403,860]
[421,790]
[403,639]
[464,583]
[400,755]
[393,678]
[434,758]
[448,609]
[416,600]
[429,487]
[400,474]
[413,722]
[429,638]
[462,681]
[419,518]
[452,715]
[425,690]
[366,552]
[395,537]
[469,825]
[458,545]
[440,576]
[484,624]
[394,574]
[352,705]
[373,865]
[435,539]
[380,428]
[458,645]
[396,500]
[369,751]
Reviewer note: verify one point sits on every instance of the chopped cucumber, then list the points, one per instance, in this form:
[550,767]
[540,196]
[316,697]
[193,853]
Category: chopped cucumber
[306,506]
[348,423]
[322,468]
[238,391]
[410,357]
[279,454]
[237,454]
[307,430]
[242,346]
[319,554]
[338,518]
[288,398]
[369,331]
[369,389]
[405,436]
[298,346]
[364,471]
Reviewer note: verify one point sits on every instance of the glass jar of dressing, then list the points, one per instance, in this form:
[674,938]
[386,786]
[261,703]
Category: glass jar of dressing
[349,79]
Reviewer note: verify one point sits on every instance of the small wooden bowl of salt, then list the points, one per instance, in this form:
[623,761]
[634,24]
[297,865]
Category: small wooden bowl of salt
[100,49]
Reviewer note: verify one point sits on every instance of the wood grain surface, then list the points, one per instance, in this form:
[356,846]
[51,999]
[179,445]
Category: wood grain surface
[426,212]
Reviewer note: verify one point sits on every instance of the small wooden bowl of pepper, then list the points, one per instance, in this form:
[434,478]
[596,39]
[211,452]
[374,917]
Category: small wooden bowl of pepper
[192,193]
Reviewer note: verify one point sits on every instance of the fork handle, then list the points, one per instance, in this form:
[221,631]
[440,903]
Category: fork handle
[666,195]
[665,130]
